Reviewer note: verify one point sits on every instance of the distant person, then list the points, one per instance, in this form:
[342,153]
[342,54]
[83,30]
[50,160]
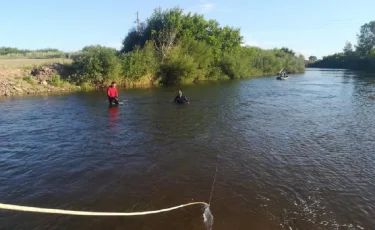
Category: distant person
[112,94]
[180,99]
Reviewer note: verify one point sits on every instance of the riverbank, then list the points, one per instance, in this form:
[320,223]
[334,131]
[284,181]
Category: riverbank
[20,77]
[53,78]
[16,81]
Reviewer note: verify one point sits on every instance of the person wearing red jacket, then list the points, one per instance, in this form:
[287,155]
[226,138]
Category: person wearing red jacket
[112,94]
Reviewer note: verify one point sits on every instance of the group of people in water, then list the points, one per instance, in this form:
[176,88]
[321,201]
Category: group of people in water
[112,95]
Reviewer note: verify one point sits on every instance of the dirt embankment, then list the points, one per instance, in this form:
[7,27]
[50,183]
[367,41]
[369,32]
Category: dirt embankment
[47,79]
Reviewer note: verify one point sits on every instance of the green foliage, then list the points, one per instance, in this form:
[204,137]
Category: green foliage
[132,40]
[166,29]
[286,50]
[139,62]
[313,58]
[179,68]
[11,50]
[57,81]
[97,64]
[352,61]
[252,61]
[86,86]
[187,48]
[366,38]
[348,48]
[14,53]
[29,80]
[176,48]
[363,58]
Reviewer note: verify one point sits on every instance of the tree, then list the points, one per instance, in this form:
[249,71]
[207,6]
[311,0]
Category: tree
[167,27]
[348,48]
[289,51]
[366,38]
[313,58]
[188,48]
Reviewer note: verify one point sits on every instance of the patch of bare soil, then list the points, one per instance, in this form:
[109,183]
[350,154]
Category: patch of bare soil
[18,81]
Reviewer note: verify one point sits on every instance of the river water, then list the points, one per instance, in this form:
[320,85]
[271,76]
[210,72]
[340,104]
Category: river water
[295,154]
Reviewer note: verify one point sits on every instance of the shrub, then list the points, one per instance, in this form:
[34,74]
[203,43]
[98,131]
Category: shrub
[85,86]
[97,64]
[139,63]
[179,68]
[56,81]
[29,80]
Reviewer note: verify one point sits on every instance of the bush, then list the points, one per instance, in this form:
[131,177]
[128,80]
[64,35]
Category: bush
[56,81]
[189,61]
[85,86]
[179,69]
[97,65]
[139,63]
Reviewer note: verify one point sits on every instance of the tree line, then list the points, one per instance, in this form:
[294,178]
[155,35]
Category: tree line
[174,47]
[11,50]
[359,57]
[48,53]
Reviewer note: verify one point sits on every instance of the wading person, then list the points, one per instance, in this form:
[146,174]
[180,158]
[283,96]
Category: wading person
[180,99]
[112,94]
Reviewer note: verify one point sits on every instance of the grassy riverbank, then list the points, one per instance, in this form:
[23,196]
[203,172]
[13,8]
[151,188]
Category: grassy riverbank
[170,47]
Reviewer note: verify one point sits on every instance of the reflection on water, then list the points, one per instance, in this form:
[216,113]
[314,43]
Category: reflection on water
[294,154]
[113,114]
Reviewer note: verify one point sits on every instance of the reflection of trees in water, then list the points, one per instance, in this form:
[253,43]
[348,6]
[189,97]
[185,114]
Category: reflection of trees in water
[364,87]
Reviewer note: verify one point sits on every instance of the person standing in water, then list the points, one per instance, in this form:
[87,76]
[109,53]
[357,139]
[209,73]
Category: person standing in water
[180,99]
[112,94]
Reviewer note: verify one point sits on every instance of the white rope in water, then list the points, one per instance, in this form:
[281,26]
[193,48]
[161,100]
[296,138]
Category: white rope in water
[88,213]
[213,183]
[207,216]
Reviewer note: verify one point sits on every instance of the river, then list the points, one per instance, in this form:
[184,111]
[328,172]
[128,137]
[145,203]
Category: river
[295,154]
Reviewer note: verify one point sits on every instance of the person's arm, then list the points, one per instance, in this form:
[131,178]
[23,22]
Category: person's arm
[185,99]
[116,93]
[109,93]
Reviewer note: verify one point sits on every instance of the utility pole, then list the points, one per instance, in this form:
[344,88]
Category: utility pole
[138,23]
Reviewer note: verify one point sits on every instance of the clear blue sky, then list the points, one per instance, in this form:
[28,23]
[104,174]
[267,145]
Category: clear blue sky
[317,27]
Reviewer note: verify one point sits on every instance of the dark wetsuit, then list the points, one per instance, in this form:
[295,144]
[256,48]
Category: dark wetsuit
[181,100]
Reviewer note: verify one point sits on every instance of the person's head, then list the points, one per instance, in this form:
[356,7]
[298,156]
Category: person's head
[180,93]
[113,84]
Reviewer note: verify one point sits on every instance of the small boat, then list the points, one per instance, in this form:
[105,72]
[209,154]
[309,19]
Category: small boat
[282,78]
[281,75]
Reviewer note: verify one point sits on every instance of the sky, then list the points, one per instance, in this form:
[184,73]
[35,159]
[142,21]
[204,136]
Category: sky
[318,27]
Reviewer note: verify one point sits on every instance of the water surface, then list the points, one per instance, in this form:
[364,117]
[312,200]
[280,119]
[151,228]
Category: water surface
[295,154]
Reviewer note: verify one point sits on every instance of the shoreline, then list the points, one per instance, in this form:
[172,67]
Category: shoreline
[23,81]
[18,87]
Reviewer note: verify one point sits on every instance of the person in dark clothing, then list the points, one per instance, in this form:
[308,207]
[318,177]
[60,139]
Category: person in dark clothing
[112,94]
[180,99]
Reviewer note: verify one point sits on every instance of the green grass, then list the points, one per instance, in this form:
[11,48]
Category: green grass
[58,82]
[29,80]
[86,86]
